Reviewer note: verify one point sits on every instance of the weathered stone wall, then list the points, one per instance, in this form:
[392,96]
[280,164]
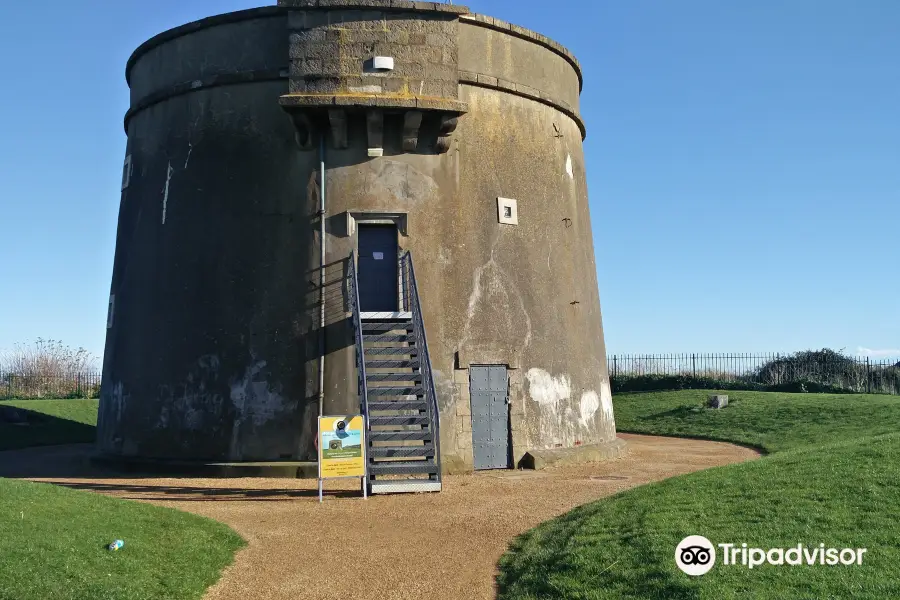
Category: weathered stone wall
[330,52]
[506,55]
[241,42]
[213,346]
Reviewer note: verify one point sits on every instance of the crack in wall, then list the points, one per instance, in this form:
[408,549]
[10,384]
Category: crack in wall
[169,171]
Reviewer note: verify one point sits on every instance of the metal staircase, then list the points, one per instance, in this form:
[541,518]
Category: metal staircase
[396,390]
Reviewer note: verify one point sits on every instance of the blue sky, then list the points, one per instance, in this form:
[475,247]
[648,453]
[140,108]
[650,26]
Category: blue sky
[743,159]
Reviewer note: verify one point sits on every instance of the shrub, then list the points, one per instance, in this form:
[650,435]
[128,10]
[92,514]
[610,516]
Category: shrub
[48,369]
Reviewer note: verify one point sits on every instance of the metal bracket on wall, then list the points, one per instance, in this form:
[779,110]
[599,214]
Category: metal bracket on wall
[338,120]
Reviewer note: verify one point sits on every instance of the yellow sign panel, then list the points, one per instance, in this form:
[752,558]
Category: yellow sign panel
[342,447]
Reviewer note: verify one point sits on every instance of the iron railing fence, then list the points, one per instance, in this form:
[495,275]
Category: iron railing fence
[27,386]
[820,370]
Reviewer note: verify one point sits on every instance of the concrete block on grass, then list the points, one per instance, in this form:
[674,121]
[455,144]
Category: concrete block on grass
[717,401]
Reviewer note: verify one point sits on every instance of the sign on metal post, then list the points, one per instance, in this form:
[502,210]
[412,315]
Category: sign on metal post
[342,449]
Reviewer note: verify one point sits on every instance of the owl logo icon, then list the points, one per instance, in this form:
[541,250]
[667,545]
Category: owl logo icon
[695,555]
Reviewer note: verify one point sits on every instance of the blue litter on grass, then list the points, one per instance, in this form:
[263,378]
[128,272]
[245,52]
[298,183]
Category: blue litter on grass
[116,545]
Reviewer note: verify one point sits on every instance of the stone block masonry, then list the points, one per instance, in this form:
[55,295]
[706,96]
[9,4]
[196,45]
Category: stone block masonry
[331,52]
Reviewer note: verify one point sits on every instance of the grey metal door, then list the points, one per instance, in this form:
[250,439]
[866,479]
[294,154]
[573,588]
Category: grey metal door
[489,390]
[378,269]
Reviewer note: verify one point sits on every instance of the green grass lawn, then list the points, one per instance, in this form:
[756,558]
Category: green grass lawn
[833,478]
[53,546]
[771,421]
[53,539]
[51,422]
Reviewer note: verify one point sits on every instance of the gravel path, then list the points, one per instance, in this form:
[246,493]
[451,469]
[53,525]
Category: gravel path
[387,547]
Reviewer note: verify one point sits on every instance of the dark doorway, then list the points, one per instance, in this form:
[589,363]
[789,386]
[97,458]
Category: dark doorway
[378,268]
[489,390]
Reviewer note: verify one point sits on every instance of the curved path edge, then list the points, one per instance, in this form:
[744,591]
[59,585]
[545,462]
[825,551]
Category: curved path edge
[386,547]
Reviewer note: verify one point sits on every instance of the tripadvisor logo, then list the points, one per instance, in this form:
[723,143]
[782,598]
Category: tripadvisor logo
[696,555]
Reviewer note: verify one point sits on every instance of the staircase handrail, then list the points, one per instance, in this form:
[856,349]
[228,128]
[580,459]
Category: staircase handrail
[413,305]
[360,351]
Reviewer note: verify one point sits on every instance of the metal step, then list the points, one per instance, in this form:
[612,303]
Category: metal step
[405,486]
[399,405]
[394,377]
[409,350]
[385,316]
[398,420]
[397,451]
[399,436]
[376,338]
[392,364]
[384,327]
[396,467]
[397,391]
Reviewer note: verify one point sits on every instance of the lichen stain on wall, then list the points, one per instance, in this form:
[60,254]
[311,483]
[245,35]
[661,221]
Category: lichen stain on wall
[606,404]
[589,405]
[445,389]
[193,405]
[563,421]
[555,417]
[254,400]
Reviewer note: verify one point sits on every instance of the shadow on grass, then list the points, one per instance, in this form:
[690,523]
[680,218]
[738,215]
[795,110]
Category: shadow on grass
[190,493]
[681,412]
[23,428]
[53,459]
[548,563]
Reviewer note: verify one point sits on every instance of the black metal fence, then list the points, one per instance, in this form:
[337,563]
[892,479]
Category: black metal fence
[812,371]
[14,386]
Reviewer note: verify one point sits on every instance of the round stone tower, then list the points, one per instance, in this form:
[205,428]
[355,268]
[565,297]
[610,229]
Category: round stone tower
[422,128]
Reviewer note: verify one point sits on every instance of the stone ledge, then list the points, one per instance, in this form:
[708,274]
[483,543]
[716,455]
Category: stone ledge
[300,101]
[405,5]
[486,81]
[187,87]
[561,457]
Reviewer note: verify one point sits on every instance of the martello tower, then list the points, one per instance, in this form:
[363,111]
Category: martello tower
[453,296]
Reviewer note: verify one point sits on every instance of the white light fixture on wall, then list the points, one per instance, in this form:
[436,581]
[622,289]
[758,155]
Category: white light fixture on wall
[383,63]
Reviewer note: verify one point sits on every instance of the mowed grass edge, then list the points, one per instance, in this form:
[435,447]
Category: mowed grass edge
[833,479]
[53,539]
